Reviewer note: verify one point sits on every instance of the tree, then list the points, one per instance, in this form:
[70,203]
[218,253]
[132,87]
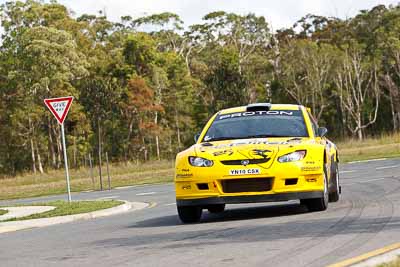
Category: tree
[245,33]
[141,106]
[47,61]
[358,89]
[389,43]
[306,73]
[165,28]
[144,85]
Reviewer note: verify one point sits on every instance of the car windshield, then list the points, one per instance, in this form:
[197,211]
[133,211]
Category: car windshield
[257,124]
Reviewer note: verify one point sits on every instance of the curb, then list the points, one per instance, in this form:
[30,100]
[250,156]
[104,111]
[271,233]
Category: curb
[18,212]
[372,258]
[36,223]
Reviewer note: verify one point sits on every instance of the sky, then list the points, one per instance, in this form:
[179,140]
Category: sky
[279,14]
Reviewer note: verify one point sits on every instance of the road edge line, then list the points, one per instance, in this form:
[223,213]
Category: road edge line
[366,160]
[367,256]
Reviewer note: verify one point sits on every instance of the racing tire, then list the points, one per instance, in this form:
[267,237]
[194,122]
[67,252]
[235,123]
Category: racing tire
[190,214]
[334,195]
[218,208]
[318,204]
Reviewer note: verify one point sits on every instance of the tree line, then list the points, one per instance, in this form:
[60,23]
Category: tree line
[144,86]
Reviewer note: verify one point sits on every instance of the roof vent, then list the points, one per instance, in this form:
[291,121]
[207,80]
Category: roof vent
[258,107]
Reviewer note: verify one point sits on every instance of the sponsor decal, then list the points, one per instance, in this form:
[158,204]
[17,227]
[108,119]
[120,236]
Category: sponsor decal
[244,172]
[234,143]
[259,113]
[246,142]
[227,152]
[184,175]
[293,141]
[311,169]
[186,187]
[261,152]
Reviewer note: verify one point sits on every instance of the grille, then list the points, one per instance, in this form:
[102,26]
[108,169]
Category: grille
[202,186]
[246,185]
[291,181]
[239,161]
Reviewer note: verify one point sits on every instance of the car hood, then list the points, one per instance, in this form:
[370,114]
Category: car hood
[231,151]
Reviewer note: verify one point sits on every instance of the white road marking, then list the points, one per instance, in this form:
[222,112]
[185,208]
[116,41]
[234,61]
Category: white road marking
[170,204]
[368,160]
[152,205]
[146,194]
[371,180]
[387,167]
[346,171]
[366,181]
[125,187]
[110,197]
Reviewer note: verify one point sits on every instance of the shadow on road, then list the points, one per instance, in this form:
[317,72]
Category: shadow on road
[231,214]
[216,229]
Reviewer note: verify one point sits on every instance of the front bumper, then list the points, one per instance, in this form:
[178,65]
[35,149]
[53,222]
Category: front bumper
[249,198]
[280,182]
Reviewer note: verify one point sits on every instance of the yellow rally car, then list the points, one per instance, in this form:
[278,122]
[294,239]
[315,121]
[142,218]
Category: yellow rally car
[257,153]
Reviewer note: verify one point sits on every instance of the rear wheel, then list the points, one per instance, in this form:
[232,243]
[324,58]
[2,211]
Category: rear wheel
[189,214]
[218,208]
[318,204]
[334,195]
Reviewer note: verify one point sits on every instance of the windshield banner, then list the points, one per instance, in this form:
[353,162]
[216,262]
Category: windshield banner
[295,113]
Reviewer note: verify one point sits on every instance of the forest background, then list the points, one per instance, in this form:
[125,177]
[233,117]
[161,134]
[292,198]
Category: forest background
[144,86]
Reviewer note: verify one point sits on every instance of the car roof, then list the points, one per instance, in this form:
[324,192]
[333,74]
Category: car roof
[273,107]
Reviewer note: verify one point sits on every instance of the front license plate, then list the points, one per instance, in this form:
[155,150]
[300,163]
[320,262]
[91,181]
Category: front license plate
[244,172]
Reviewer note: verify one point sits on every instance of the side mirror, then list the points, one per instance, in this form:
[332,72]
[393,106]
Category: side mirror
[322,131]
[196,137]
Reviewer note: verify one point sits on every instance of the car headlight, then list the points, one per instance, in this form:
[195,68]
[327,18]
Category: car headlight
[200,162]
[294,156]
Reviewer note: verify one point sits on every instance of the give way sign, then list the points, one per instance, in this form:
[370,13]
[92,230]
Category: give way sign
[59,107]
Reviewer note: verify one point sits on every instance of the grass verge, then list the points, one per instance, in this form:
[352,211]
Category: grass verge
[395,263]
[64,208]
[2,212]
[53,181]
[385,146]
[125,174]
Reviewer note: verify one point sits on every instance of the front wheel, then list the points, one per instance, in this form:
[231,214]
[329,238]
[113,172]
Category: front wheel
[190,214]
[318,204]
[334,195]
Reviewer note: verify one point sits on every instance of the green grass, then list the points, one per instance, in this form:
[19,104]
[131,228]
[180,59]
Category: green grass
[64,208]
[53,181]
[395,263]
[385,146]
[2,212]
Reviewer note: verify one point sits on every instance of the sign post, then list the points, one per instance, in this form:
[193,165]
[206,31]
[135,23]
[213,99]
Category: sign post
[59,107]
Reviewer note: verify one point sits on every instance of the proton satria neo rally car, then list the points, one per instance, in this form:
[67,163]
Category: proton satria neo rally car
[257,153]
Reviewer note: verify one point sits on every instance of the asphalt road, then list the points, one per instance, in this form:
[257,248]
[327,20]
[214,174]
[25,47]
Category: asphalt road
[272,234]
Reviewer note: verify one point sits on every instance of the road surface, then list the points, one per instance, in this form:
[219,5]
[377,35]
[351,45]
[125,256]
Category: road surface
[268,234]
